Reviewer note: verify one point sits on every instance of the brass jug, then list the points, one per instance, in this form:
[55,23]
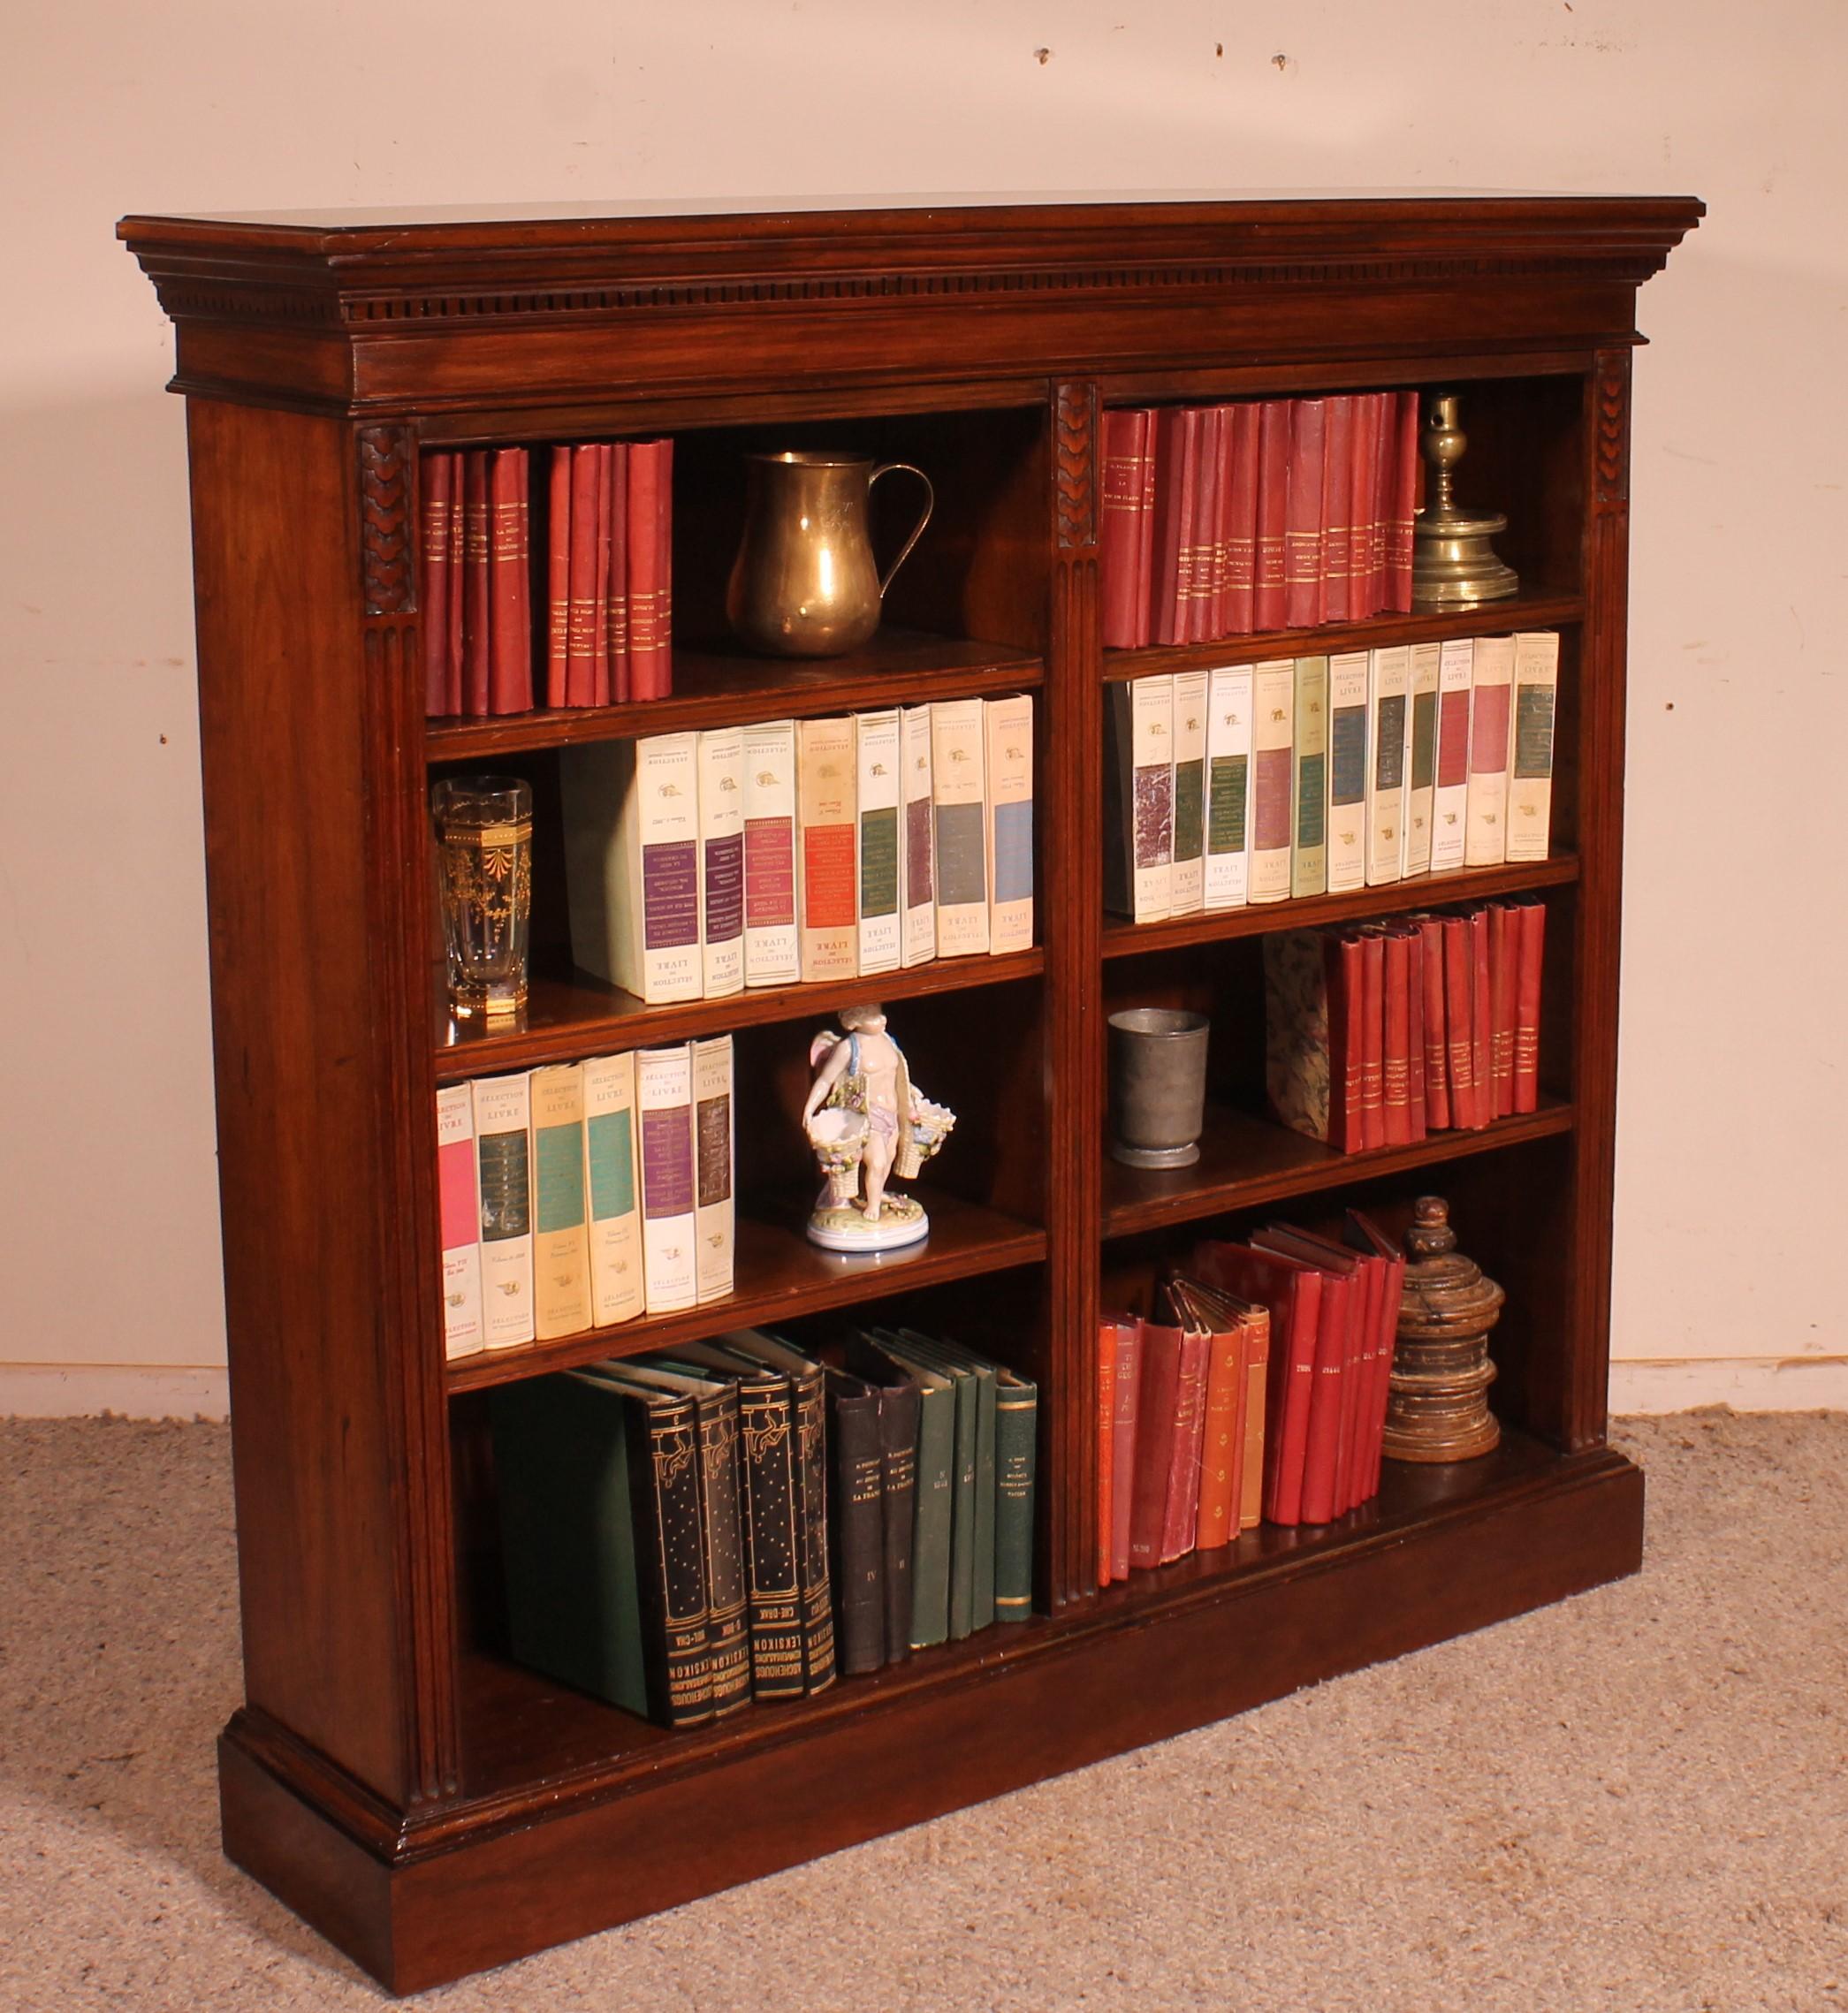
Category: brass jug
[804,584]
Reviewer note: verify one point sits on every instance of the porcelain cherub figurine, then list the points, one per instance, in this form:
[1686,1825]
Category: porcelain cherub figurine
[867,1123]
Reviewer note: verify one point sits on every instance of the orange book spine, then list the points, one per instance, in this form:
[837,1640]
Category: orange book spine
[1255,1351]
[1222,1444]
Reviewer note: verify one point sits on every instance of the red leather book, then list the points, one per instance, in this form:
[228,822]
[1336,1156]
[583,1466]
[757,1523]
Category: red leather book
[580,621]
[1405,502]
[1107,1440]
[558,577]
[1365,1235]
[1437,1072]
[1270,595]
[1303,516]
[1180,1517]
[601,690]
[1323,1457]
[662,669]
[616,588]
[1207,621]
[1257,1349]
[1346,1286]
[1458,1011]
[1338,498]
[477,603]
[1373,1039]
[1482,1027]
[1177,446]
[1239,614]
[1395,1097]
[1530,941]
[1383,498]
[1291,1293]
[1363,426]
[455,623]
[1146,538]
[1124,1420]
[510,585]
[1158,1402]
[1502,956]
[1347,1060]
[435,475]
[1126,434]
[1222,1459]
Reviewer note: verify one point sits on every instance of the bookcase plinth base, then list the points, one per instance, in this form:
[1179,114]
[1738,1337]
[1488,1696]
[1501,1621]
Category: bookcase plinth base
[461,1892]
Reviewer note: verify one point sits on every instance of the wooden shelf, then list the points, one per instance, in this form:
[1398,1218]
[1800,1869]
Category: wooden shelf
[899,667]
[1535,608]
[523,1733]
[1125,940]
[1246,1162]
[780,1276]
[566,1018]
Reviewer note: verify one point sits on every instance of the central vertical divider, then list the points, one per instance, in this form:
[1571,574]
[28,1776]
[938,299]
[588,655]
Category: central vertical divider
[1073,909]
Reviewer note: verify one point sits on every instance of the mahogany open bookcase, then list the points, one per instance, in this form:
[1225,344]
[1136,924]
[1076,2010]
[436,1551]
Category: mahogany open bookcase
[393,1775]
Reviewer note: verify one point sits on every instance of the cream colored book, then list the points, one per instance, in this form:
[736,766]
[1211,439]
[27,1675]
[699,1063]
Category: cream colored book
[503,1159]
[1485,825]
[1421,755]
[1451,790]
[663,1110]
[1010,727]
[460,1199]
[1229,786]
[772,946]
[1530,777]
[714,1216]
[1274,705]
[828,848]
[1346,771]
[1309,782]
[959,795]
[610,1189]
[916,840]
[1187,882]
[632,864]
[876,740]
[721,861]
[1139,797]
[561,1245]
[1388,682]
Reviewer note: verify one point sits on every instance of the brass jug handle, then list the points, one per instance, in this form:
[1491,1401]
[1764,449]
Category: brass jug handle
[904,468]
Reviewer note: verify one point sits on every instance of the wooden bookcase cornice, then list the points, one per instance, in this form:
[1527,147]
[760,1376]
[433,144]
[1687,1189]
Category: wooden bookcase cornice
[334,316]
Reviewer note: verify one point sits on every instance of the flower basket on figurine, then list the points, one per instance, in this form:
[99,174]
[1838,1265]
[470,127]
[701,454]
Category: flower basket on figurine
[930,1125]
[839,1137]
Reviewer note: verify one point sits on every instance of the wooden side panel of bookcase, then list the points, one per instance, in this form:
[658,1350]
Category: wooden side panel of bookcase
[310,730]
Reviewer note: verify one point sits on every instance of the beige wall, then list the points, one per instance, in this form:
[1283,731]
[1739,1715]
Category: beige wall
[1734,1111]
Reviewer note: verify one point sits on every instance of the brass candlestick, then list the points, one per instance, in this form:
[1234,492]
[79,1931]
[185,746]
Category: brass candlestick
[1437,1409]
[1453,565]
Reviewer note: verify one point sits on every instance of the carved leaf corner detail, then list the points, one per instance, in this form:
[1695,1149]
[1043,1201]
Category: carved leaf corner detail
[387,550]
[1074,433]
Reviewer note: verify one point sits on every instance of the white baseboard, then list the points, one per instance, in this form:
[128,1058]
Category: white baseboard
[1748,1384]
[136,1391]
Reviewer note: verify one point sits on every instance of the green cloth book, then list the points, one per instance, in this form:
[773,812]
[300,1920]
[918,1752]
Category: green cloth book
[1016,1461]
[594,1531]
[868,1355]
[956,1362]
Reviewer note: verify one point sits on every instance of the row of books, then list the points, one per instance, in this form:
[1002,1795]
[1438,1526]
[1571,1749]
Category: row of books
[1382,1034]
[789,851]
[1271,514]
[1180,1427]
[1317,775]
[580,1195]
[684,1532]
[609,602]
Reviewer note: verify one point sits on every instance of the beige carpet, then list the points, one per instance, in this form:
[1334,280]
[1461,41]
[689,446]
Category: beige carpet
[1636,1800]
